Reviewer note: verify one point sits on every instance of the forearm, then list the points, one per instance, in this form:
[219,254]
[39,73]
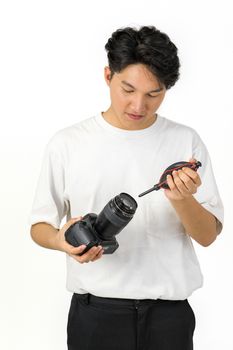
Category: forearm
[49,237]
[198,222]
[45,235]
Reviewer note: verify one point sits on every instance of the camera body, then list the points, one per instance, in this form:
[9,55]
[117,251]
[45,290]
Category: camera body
[94,230]
[83,232]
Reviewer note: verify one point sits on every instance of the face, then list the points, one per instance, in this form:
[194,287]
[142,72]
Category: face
[135,94]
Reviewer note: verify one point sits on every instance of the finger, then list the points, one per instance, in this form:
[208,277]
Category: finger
[71,222]
[179,184]
[98,256]
[90,254]
[172,185]
[93,252]
[188,182]
[193,174]
[77,258]
[192,160]
[77,250]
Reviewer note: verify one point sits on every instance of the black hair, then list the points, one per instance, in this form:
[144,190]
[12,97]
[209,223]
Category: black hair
[147,46]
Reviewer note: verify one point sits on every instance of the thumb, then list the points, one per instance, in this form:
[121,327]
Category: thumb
[77,218]
[71,222]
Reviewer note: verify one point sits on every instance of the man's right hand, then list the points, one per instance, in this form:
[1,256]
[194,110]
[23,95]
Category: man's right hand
[92,254]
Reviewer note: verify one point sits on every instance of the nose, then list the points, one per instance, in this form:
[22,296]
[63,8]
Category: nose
[138,105]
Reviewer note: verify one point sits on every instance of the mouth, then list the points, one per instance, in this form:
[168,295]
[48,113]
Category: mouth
[135,116]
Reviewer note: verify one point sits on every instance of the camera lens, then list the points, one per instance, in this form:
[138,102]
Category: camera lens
[124,205]
[115,216]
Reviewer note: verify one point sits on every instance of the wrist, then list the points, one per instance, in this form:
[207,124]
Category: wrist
[182,201]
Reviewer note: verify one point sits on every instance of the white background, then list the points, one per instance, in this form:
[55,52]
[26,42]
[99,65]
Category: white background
[51,62]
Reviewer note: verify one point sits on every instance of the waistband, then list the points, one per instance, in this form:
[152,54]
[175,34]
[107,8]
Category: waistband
[87,298]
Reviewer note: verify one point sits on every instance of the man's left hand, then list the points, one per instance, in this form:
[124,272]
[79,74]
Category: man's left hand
[183,183]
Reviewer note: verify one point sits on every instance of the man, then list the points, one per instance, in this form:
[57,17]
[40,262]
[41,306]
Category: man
[135,298]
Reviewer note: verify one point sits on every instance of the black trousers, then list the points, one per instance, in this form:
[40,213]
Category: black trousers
[96,323]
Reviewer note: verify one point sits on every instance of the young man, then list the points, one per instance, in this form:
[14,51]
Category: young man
[135,298]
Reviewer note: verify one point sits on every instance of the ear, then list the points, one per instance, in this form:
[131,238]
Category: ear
[107,75]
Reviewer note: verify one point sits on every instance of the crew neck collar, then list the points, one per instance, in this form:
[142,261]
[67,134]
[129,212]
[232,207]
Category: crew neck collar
[131,133]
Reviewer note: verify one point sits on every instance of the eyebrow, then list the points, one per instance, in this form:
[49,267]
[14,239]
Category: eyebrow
[128,84]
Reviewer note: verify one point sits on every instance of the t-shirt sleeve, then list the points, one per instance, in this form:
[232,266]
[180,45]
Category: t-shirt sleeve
[50,204]
[207,194]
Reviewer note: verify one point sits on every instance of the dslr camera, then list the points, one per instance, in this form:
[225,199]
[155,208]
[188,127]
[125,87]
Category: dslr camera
[94,230]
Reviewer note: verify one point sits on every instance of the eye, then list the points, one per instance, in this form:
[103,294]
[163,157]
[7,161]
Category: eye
[152,96]
[127,91]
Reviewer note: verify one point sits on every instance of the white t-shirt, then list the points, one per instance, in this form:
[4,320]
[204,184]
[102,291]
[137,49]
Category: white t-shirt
[87,164]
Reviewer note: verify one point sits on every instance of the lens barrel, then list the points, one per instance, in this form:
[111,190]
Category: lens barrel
[115,216]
